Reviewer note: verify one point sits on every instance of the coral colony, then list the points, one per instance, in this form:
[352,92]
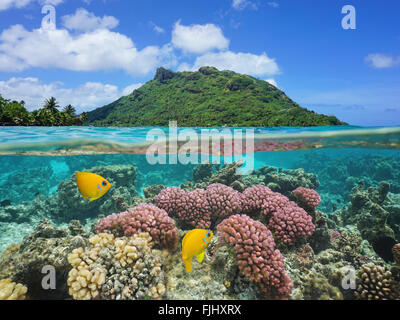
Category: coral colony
[270,241]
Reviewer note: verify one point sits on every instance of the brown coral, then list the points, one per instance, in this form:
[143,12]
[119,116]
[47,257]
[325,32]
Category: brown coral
[396,253]
[377,283]
[116,268]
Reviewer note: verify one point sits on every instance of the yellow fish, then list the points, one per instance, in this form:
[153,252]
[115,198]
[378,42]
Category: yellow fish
[91,185]
[193,244]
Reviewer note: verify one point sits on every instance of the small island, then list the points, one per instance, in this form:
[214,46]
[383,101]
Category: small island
[205,98]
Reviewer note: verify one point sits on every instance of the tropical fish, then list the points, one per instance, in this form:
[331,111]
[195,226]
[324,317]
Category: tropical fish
[91,185]
[193,244]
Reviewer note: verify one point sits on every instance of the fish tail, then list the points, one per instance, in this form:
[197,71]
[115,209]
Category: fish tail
[188,266]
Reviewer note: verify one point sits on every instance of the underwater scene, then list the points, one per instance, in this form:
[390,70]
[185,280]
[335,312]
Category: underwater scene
[312,213]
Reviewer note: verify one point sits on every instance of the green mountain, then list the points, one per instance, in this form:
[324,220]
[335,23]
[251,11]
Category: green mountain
[207,98]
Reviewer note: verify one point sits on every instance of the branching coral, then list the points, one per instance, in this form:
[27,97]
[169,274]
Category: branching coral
[202,208]
[143,218]
[223,200]
[116,268]
[256,255]
[12,291]
[377,283]
[254,198]
[307,198]
[291,223]
[86,278]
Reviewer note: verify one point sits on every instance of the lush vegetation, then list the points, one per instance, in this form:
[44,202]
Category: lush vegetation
[13,113]
[207,97]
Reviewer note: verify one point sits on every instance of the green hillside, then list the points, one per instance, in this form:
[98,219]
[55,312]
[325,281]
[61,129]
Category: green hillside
[207,97]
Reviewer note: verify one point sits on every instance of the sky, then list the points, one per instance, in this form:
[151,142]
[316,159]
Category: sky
[342,63]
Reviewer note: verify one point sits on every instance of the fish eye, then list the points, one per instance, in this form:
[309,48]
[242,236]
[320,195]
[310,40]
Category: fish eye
[207,234]
[104,183]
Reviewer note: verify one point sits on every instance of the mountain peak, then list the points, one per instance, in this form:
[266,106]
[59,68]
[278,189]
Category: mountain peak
[207,97]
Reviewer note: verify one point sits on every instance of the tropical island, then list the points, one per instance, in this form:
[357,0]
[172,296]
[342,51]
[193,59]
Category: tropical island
[14,113]
[207,97]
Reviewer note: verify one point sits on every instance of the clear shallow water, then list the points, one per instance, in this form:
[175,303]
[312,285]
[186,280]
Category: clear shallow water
[37,167]
[95,140]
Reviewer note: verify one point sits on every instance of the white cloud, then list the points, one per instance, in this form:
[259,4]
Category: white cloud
[128,90]
[272,81]
[247,63]
[379,61]
[8,4]
[99,49]
[84,97]
[242,4]
[198,38]
[273,4]
[51,2]
[156,28]
[84,20]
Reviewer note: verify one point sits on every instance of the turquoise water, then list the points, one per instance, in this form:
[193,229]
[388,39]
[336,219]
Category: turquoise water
[38,165]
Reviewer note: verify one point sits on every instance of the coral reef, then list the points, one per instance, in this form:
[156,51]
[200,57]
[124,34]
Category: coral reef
[46,246]
[71,205]
[143,218]
[376,283]
[256,255]
[228,175]
[340,172]
[204,208]
[122,268]
[285,180]
[307,198]
[273,240]
[366,212]
[291,223]
[12,291]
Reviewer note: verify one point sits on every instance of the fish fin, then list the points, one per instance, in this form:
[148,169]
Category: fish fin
[94,198]
[200,256]
[188,265]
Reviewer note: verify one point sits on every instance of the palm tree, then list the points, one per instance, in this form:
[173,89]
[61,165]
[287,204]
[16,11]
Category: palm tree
[51,104]
[69,110]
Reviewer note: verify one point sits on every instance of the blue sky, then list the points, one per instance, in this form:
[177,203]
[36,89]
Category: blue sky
[102,49]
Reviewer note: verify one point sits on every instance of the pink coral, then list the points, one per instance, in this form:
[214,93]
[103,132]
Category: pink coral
[256,255]
[291,223]
[223,200]
[308,198]
[172,200]
[143,218]
[274,202]
[201,208]
[198,210]
[254,197]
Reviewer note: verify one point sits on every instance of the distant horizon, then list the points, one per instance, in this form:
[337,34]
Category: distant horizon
[93,53]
